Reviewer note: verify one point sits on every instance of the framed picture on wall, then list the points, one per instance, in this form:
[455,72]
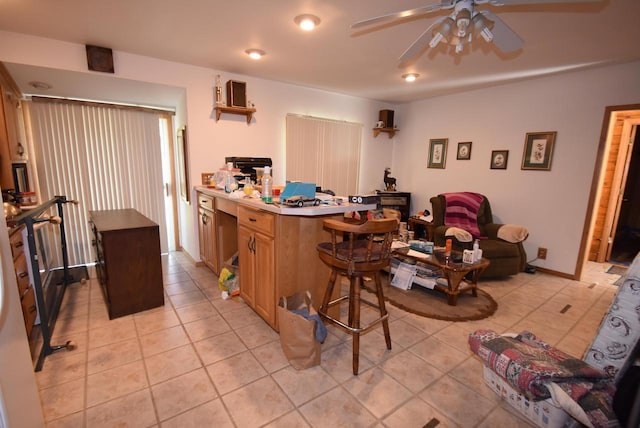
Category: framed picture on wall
[183,166]
[538,150]
[464,151]
[437,153]
[499,159]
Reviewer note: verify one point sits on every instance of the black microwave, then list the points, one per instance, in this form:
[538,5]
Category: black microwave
[246,164]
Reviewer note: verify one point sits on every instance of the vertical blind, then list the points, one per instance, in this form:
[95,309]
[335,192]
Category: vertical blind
[325,152]
[104,157]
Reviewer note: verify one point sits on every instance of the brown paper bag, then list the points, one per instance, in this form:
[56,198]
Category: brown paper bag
[297,333]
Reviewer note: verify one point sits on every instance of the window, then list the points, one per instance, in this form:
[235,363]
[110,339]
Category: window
[325,152]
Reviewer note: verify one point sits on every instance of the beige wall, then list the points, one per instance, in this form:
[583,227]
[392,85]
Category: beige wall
[552,204]
[211,141]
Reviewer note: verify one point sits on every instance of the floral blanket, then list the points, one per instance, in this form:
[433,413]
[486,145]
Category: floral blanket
[530,365]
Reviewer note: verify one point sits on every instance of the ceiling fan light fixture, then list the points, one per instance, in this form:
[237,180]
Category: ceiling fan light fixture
[307,21]
[442,31]
[463,19]
[255,53]
[410,77]
[482,27]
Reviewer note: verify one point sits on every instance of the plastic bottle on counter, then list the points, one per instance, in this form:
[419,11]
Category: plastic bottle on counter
[267,186]
[230,183]
[476,250]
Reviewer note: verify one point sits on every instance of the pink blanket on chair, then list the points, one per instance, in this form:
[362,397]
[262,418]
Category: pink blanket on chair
[461,210]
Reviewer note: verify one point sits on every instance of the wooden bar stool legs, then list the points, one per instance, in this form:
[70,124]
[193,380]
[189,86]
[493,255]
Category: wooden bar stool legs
[356,258]
[355,301]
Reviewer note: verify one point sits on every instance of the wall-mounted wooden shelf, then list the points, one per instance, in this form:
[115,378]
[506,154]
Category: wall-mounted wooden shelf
[390,131]
[248,112]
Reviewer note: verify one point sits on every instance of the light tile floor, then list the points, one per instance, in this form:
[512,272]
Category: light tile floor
[201,361]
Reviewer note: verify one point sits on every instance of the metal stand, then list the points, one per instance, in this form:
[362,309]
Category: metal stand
[48,307]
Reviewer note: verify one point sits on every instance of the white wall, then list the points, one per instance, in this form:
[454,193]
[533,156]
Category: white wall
[210,141]
[552,204]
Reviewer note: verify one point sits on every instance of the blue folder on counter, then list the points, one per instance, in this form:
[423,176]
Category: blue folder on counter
[293,189]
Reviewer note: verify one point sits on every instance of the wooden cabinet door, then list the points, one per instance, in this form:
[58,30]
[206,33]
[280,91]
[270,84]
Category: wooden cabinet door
[202,235]
[206,230]
[247,265]
[264,278]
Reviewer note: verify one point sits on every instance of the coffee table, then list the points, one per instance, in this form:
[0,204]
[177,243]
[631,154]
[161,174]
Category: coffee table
[460,276]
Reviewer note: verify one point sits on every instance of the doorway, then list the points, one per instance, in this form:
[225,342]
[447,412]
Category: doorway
[608,206]
[626,241]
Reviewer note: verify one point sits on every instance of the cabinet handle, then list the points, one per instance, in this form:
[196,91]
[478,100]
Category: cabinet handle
[19,244]
[252,219]
[204,218]
[22,275]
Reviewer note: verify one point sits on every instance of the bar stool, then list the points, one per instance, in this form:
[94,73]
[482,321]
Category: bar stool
[364,250]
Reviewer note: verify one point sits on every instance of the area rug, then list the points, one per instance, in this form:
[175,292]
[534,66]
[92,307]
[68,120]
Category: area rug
[618,270]
[433,304]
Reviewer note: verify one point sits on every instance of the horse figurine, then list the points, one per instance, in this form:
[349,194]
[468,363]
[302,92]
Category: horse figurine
[389,182]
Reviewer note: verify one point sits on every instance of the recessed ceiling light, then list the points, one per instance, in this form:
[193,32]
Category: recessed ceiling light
[410,77]
[255,53]
[40,85]
[307,22]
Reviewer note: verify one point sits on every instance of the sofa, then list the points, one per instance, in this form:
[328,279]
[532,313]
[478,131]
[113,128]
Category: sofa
[507,258]
[598,390]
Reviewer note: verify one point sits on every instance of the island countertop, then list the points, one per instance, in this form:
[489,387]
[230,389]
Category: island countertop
[276,208]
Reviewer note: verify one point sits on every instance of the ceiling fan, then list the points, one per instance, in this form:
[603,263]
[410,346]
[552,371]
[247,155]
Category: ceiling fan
[461,26]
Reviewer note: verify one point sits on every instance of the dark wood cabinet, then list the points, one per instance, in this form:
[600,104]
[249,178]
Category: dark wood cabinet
[25,289]
[400,201]
[128,261]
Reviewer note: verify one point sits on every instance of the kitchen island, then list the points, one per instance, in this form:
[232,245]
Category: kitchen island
[276,246]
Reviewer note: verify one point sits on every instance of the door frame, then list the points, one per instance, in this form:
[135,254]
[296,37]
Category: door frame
[619,183]
[594,194]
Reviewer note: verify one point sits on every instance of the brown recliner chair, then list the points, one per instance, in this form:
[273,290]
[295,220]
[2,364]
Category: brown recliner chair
[506,258]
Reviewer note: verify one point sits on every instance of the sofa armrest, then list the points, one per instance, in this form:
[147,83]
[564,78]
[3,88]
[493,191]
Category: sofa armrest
[491,230]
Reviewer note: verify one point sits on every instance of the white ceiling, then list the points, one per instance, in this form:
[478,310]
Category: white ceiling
[215,34]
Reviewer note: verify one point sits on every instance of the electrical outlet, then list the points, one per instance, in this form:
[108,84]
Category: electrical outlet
[542,253]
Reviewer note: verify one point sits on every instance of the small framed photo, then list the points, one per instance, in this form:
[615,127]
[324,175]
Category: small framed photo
[464,151]
[499,159]
[538,150]
[437,153]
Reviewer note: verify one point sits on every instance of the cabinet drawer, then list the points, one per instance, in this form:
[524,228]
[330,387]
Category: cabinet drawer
[29,309]
[22,274]
[205,201]
[260,221]
[227,206]
[393,200]
[17,246]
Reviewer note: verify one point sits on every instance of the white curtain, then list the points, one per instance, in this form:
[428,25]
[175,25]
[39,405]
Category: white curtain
[325,152]
[104,157]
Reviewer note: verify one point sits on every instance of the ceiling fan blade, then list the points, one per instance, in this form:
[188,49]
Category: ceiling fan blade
[401,15]
[419,44]
[504,37]
[519,2]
